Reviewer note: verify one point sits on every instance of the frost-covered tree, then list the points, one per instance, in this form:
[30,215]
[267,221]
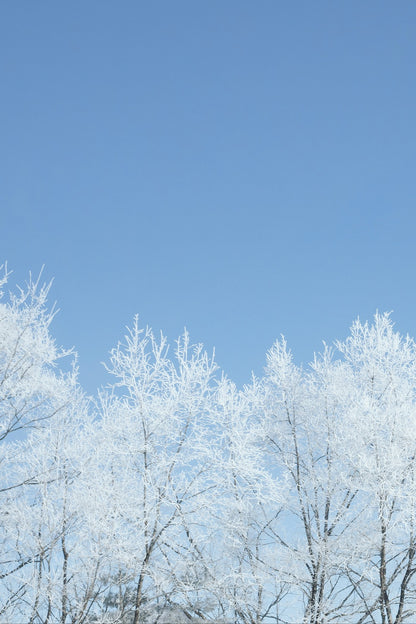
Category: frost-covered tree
[45,523]
[380,449]
[31,390]
[247,511]
[149,474]
[342,434]
[38,403]
[299,414]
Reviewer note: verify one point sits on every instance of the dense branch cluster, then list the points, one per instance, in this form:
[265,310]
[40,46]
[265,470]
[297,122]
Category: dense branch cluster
[173,496]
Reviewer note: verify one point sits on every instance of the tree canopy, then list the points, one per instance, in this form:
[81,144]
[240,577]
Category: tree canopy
[174,496]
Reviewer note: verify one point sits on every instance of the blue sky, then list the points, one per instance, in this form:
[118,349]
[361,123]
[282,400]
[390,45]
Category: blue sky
[244,169]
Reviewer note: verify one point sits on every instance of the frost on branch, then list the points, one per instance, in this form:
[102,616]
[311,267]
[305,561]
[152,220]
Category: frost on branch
[30,389]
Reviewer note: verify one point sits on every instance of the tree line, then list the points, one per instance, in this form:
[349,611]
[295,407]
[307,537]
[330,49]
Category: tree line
[174,496]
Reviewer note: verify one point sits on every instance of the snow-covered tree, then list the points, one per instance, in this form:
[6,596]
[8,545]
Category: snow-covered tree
[38,411]
[149,475]
[380,449]
[247,512]
[343,435]
[300,416]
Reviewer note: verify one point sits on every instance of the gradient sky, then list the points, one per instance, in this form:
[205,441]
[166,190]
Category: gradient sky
[244,169]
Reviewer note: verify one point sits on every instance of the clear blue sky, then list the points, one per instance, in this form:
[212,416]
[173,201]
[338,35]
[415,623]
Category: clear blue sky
[243,169]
